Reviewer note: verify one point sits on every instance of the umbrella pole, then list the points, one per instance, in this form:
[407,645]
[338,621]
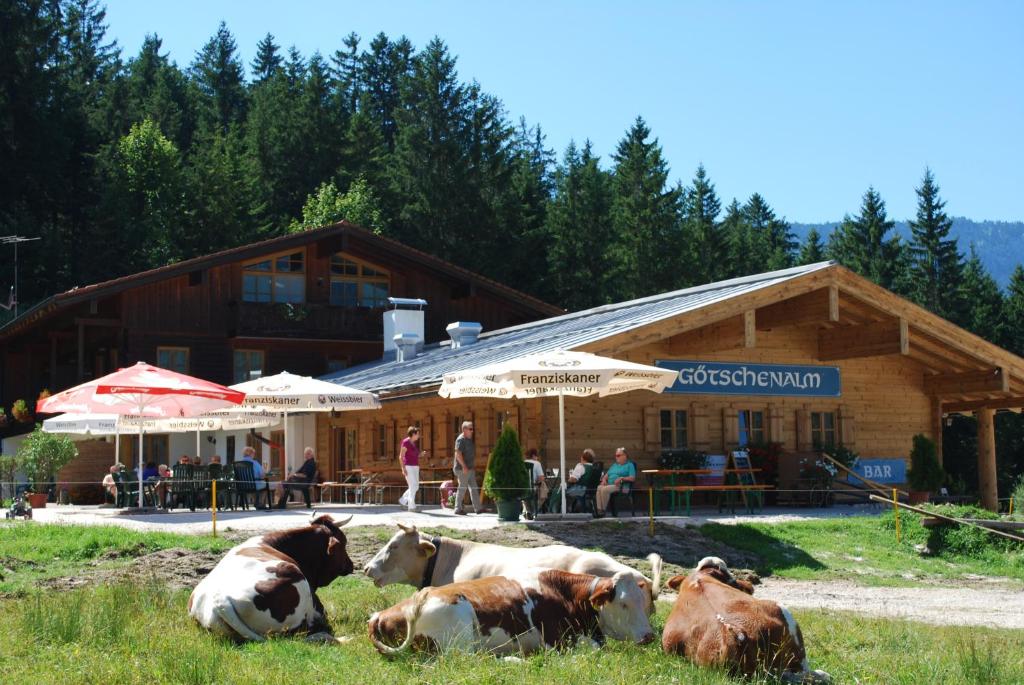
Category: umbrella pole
[197,442]
[141,432]
[117,445]
[561,444]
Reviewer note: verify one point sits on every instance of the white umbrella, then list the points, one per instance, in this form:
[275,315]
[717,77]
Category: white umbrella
[288,393]
[556,373]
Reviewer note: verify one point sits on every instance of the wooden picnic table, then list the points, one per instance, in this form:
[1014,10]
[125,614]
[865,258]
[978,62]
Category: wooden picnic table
[688,475]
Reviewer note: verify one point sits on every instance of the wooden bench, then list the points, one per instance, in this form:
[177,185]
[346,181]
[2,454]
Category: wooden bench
[755,492]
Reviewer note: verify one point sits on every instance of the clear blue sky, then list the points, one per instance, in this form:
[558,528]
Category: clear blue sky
[807,103]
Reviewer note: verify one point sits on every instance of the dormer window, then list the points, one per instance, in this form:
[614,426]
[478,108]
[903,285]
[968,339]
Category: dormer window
[278,278]
[355,283]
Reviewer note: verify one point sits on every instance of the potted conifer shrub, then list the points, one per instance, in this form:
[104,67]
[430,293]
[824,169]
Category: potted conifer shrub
[40,456]
[926,475]
[506,480]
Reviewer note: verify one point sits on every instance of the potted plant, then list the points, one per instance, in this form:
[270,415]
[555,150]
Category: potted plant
[505,480]
[926,474]
[40,456]
[3,417]
[21,412]
[43,394]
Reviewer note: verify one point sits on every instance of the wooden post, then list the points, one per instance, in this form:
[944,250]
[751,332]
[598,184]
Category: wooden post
[987,459]
[937,427]
[896,511]
[213,505]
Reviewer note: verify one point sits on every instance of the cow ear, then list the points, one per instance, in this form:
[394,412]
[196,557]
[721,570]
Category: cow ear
[744,585]
[426,549]
[603,593]
[675,581]
[405,528]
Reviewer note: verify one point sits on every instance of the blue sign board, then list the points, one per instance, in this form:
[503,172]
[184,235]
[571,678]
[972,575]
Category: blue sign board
[738,378]
[880,470]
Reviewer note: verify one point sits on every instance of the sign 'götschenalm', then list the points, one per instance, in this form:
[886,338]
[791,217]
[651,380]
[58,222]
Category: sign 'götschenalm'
[739,378]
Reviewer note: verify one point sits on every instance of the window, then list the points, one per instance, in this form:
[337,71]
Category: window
[280,278]
[355,283]
[823,429]
[172,358]
[751,427]
[673,429]
[248,365]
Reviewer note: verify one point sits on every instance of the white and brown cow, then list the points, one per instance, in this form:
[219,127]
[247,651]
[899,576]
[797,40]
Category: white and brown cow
[267,585]
[420,560]
[716,622]
[538,609]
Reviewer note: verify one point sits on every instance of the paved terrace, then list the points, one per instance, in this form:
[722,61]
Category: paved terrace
[183,521]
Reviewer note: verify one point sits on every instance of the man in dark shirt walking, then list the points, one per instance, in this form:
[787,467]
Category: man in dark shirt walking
[465,453]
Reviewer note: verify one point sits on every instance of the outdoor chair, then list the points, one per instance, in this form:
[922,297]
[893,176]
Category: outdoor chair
[590,480]
[245,486]
[183,486]
[303,486]
[625,493]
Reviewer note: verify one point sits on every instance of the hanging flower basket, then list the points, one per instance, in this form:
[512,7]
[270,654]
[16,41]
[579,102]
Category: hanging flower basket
[21,412]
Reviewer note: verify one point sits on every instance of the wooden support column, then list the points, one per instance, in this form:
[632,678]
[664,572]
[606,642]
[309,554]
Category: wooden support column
[937,427]
[749,328]
[987,459]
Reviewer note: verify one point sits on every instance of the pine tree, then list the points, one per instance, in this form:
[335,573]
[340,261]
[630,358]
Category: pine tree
[984,315]
[267,60]
[1014,312]
[936,261]
[154,88]
[218,73]
[580,231]
[707,258]
[771,241]
[812,251]
[381,72]
[645,214]
[740,241]
[861,242]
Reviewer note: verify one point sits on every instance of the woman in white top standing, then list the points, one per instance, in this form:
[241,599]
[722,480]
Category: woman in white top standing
[409,460]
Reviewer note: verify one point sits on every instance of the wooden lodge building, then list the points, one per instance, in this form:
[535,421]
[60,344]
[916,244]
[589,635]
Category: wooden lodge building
[813,355]
[309,303]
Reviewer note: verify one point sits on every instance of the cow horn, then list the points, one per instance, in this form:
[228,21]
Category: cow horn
[343,522]
[405,528]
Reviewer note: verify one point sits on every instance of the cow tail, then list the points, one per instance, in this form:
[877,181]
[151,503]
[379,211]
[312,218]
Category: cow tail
[412,615]
[656,563]
[227,613]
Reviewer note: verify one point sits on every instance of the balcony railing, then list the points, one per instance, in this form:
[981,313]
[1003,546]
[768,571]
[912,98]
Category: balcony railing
[307,321]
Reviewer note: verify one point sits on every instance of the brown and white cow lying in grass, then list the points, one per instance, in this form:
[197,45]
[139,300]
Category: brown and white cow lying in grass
[419,560]
[539,609]
[716,622]
[267,585]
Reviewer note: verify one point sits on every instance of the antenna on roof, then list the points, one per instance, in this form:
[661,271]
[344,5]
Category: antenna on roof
[12,302]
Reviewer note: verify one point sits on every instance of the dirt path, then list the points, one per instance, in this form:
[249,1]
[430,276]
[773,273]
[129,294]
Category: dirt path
[997,606]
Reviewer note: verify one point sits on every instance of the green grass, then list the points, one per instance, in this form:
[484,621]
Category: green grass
[32,552]
[863,549]
[143,635]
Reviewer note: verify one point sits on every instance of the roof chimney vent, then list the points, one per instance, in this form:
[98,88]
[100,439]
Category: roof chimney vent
[406,345]
[463,333]
[404,318]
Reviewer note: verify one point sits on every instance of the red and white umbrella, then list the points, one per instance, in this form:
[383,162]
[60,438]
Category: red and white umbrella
[143,390]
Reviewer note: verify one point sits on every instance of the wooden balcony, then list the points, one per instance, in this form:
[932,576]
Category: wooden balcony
[317,321]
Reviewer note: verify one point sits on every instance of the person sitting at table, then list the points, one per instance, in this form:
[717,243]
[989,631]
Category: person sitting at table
[537,476]
[302,479]
[618,474]
[109,484]
[196,461]
[160,487]
[150,471]
[249,455]
[586,462]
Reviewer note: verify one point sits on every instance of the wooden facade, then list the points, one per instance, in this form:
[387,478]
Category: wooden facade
[902,369]
[198,317]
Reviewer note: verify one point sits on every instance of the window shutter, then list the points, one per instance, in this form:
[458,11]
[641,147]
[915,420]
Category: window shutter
[486,430]
[775,424]
[699,439]
[389,443]
[847,427]
[652,426]
[444,439]
[804,443]
[730,429]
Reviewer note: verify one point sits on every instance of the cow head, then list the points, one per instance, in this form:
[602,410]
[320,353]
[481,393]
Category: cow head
[336,559]
[402,560]
[713,567]
[622,608]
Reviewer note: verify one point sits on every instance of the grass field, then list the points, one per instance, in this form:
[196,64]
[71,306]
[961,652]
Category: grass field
[863,549]
[140,632]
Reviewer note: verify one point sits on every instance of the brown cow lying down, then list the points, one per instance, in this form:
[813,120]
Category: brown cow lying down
[716,622]
[541,608]
[267,585]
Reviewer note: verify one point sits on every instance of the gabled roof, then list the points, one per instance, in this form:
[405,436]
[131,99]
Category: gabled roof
[568,331]
[105,288]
